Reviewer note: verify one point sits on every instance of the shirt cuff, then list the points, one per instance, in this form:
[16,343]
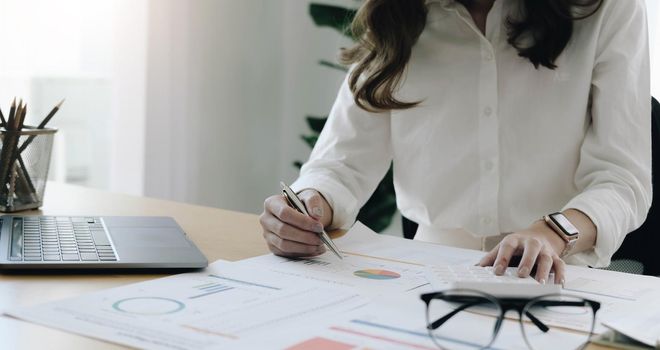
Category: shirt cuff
[340,199]
[590,203]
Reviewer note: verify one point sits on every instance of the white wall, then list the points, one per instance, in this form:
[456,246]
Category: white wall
[93,53]
[229,84]
[129,67]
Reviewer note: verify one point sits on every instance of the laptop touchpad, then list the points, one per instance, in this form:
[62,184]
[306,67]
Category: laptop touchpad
[162,237]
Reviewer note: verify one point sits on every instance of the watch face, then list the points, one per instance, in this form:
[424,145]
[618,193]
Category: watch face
[566,225]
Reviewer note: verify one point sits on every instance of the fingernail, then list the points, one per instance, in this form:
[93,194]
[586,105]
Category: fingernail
[499,269]
[317,212]
[542,281]
[563,282]
[318,228]
[523,271]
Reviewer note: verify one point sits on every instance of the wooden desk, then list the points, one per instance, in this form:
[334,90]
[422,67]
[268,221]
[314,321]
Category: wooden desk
[220,234]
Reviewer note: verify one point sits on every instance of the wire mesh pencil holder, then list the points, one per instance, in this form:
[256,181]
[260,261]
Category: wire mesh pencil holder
[24,162]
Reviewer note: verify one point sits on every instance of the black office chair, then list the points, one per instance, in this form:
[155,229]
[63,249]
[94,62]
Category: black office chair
[642,246]
[640,251]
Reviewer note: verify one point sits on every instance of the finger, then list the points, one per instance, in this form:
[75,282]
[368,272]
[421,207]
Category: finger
[274,249]
[508,247]
[559,266]
[531,251]
[543,266]
[313,203]
[291,248]
[489,258]
[285,231]
[278,206]
[279,252]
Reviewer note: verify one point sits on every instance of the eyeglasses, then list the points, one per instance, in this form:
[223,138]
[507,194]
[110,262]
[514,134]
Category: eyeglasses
[540,318]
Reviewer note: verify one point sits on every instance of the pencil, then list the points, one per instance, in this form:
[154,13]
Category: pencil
[9,145]
[21,120]
[41,126]
[17,117]
[24,188]
[12,112]
[2,119]
[50,115]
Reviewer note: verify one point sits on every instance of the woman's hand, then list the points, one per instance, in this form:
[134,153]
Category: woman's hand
[290,233]
[539,246]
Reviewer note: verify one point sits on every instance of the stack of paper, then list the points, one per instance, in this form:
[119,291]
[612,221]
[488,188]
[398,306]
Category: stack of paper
[370,299]
[639,321]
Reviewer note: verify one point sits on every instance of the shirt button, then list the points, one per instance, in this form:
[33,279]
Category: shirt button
[488,56]
[486,220]
[488,111]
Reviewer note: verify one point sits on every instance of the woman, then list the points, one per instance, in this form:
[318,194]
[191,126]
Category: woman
[495,114]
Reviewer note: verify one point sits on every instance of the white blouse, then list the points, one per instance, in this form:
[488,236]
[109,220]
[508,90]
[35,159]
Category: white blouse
[495,143]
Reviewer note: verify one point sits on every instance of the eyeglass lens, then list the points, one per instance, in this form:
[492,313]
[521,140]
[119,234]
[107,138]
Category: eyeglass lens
[453,322]
[456,321]
[569,320]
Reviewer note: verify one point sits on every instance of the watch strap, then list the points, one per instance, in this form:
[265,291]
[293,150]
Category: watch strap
[570,241]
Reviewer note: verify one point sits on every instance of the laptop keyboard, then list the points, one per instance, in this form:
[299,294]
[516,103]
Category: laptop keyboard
[41,238]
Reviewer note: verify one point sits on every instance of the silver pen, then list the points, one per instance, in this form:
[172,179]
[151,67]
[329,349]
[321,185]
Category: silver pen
[297,204]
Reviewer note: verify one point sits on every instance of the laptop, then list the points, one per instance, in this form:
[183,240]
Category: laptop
[63,242]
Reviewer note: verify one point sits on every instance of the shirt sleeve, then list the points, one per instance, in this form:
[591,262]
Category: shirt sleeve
[351,156]
[614,172]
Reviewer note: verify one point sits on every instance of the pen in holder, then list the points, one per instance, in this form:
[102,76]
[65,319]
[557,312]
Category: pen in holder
[24,159]
[24,163]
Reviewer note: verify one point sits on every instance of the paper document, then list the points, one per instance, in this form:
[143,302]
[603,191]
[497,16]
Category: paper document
[362,240]
[218,308]
[639,321]
[609,284]
[372,263]
[614,290]
[397,322]
[368,275]
[368,300]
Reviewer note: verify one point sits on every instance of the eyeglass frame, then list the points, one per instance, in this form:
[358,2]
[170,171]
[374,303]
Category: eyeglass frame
[505,305]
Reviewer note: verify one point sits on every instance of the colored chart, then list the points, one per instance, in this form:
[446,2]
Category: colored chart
[319,343]
[210,289]
[377,274]
[148,306]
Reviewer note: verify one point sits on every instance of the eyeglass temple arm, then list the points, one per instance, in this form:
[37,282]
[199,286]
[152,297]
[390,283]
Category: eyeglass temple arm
[538,323]
[439,322]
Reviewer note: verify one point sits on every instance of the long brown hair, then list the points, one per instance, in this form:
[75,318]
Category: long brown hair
[388,29]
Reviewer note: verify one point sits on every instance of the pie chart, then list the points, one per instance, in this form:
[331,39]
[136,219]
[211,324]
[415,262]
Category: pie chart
[377,274]
[148,306]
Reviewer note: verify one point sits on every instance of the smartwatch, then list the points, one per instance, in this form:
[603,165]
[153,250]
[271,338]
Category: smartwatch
[562,227]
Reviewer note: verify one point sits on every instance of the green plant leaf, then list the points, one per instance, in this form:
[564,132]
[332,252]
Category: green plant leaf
[333,65]
[310,140]
[336,17]
[316,123]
